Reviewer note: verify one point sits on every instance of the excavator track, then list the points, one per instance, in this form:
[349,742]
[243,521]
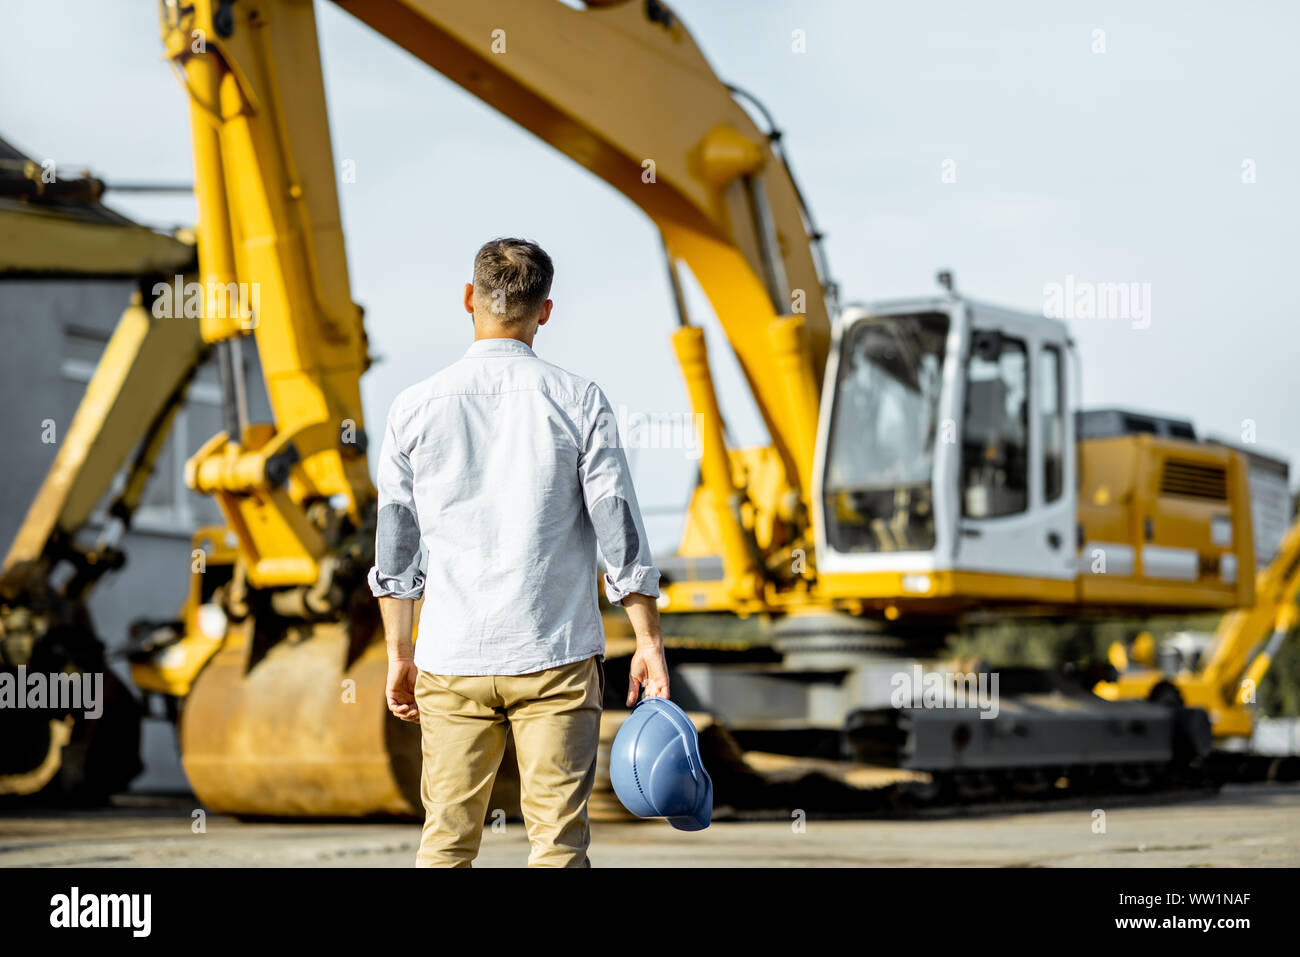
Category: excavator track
[301,729]
[758,785]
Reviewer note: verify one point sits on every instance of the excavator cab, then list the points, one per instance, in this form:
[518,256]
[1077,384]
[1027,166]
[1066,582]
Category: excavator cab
[946,452]
[951,476]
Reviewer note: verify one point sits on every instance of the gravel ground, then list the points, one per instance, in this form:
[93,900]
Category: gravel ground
[1242,826]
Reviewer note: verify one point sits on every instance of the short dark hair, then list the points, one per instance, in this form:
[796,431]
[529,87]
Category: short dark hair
[514,276]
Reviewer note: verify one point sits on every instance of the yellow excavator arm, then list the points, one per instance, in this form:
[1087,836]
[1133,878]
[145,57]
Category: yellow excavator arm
[118,430]
[130,402]
[623,90]
[619,88]
[272,263]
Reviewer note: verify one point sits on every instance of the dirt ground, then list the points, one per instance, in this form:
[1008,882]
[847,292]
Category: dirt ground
[1255,826]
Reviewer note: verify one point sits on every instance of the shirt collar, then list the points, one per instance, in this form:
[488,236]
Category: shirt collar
[499,347]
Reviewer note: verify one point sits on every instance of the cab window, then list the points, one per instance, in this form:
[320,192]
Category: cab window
[1051,406]
[884,426]
[995,431]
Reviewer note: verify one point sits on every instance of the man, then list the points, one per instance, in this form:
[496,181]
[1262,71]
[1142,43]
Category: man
[497,478]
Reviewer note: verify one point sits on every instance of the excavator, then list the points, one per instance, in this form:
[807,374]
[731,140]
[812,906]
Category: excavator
[923,465]
[1224,678]
[49,571]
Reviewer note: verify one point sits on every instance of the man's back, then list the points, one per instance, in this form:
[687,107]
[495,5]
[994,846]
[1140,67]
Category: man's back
[493,471]
[497,478]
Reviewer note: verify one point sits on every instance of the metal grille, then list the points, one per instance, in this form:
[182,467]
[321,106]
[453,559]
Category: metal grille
[1194,480]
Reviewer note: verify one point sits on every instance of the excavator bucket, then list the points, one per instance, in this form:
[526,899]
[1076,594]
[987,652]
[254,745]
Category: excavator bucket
[303,730]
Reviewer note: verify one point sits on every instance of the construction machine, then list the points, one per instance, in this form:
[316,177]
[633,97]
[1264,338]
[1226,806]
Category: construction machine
[1223,675]
[50,569]
[58,745]
[923,464]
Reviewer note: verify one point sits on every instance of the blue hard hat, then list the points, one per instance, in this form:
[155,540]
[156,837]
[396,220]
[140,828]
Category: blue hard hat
[656,769]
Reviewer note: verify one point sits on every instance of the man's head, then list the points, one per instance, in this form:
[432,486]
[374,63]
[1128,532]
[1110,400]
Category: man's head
[509,294]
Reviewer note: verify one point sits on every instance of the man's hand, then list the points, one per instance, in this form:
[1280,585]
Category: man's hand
[399,616]
[649,668]
[401,689]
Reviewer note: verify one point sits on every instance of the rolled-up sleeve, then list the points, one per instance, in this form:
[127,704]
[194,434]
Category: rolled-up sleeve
[611,504]
[398,571]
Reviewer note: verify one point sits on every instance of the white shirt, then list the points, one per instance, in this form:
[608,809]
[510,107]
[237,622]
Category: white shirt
[497,477]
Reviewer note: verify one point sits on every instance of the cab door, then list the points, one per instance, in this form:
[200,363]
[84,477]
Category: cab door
[1016,473]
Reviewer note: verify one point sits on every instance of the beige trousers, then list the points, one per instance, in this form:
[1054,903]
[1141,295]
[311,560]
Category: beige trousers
[555,717]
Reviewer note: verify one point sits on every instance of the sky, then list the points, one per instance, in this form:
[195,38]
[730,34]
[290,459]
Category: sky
[1147,143]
